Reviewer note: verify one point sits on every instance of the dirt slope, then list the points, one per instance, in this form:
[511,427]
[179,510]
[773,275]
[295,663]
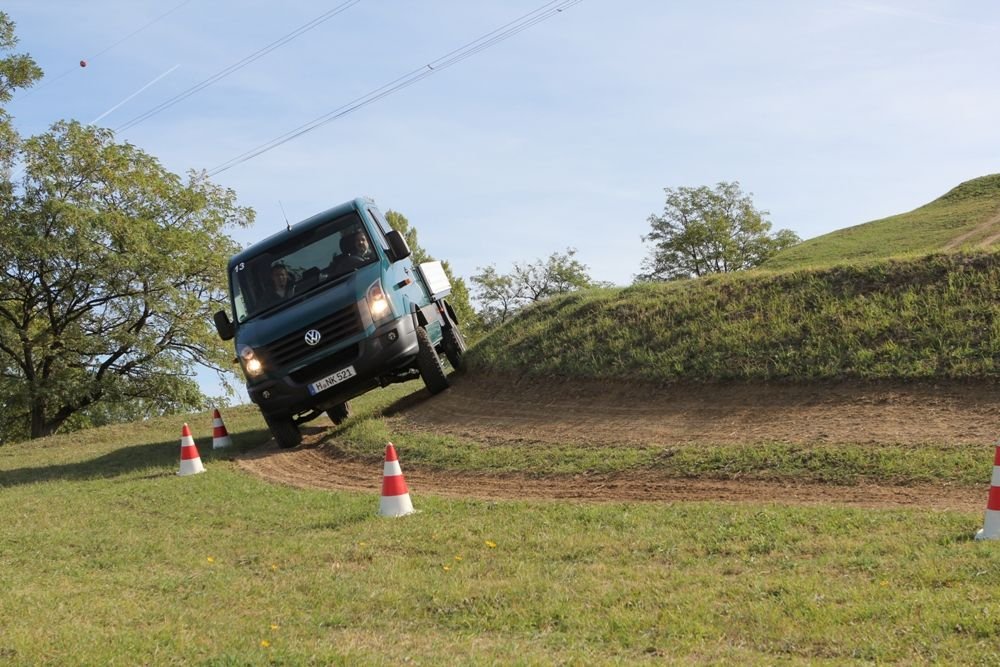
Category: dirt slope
[587,414]
[990,229]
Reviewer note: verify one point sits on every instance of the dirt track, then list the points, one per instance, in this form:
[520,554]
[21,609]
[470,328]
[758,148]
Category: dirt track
[607,414]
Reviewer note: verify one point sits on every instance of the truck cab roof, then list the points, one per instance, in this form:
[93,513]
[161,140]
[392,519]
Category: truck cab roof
[355,205]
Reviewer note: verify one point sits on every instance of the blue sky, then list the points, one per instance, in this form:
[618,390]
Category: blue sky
[831,113]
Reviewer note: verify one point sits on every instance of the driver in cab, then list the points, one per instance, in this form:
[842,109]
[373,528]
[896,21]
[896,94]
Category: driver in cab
[281,286]
[355,251]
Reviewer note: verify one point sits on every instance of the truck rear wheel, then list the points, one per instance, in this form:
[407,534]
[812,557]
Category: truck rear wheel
[339,413]
[285,431]
[454,347]
[429,364]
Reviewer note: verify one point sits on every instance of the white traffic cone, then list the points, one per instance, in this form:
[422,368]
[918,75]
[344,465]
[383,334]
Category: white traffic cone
[190,459]
[220,436]
[991,524]
[395,495]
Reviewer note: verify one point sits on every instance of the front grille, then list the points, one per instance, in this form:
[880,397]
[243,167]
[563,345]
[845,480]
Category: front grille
[326,365]
[333,329]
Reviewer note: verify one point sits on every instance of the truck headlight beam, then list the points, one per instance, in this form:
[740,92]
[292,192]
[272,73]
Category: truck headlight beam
[378,302]
[251,364]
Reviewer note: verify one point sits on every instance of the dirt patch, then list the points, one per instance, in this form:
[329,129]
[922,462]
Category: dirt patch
[607,413]
[510,411]
[991,227]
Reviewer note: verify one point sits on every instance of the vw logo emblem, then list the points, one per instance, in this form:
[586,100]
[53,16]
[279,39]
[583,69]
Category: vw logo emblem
[312,337]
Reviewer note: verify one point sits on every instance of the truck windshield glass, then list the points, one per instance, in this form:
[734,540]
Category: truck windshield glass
[302,263]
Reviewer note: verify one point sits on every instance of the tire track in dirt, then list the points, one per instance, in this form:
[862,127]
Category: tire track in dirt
[518,412]
[608,413]
[315,467]
[980,229]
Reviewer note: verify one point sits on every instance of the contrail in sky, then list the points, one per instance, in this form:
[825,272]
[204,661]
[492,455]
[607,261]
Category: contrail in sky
[918,16]
[93,122]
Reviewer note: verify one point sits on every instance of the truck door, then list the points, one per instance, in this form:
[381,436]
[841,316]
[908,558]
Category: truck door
[400,278]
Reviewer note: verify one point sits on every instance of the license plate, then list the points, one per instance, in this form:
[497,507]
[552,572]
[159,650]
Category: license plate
[330,380]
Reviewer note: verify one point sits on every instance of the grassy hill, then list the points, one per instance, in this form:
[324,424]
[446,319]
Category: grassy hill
[923,318]
[967,216]
[909,297]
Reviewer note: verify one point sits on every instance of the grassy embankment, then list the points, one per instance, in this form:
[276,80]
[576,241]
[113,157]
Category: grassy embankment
[959,219]
[107,557]
[928,318]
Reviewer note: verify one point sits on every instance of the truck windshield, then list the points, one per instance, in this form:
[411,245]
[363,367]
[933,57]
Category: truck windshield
[304,262]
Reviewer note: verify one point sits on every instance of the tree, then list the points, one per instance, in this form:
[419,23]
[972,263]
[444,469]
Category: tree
[705,230]
[16,71]
[111,269]
[459,299]
[503,294]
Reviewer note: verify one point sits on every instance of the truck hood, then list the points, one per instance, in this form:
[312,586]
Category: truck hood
[304,309]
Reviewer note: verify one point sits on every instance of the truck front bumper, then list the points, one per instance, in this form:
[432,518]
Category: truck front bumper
[392,348]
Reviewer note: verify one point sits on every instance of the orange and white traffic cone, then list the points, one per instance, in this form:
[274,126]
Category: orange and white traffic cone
[991,524]
[190,459]
[220,436]
[395,495]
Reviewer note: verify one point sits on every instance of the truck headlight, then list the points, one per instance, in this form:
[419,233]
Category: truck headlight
[251,364]
[378,302]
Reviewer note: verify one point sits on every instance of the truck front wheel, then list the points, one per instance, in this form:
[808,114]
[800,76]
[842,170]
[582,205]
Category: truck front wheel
[429,364]
[339,413]
[285,431]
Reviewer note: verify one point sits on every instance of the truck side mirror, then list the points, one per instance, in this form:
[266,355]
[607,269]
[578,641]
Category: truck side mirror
[397,244]
[223,325]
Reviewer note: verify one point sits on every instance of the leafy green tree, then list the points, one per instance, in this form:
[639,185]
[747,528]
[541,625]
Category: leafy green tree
[502,294]
[16,71]
[704,230]
[111,269]
[459,298]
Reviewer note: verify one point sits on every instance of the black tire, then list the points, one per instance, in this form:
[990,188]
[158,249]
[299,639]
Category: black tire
[429,364]
[454,347]
[285,431]
[338,414]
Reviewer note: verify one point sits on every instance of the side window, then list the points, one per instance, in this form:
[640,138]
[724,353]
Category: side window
[381,225]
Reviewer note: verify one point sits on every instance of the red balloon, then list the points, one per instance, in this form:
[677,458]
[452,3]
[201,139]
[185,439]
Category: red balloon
[83,63]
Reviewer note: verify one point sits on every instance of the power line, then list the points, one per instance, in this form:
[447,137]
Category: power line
[504,32]
[106,49]
[256,55]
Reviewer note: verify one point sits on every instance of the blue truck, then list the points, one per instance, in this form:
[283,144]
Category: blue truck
[331,308]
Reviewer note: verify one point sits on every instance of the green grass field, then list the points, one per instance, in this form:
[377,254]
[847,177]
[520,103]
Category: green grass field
[108,557]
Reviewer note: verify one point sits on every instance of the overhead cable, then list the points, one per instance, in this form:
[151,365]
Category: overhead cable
[256,55]
[89,59]
[504,32]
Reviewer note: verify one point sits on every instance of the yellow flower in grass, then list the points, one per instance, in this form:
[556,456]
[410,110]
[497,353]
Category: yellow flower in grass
[264,643]
[211,560]
[491,544]
[458,559]
[274,626]
[274,567]
[447,568]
